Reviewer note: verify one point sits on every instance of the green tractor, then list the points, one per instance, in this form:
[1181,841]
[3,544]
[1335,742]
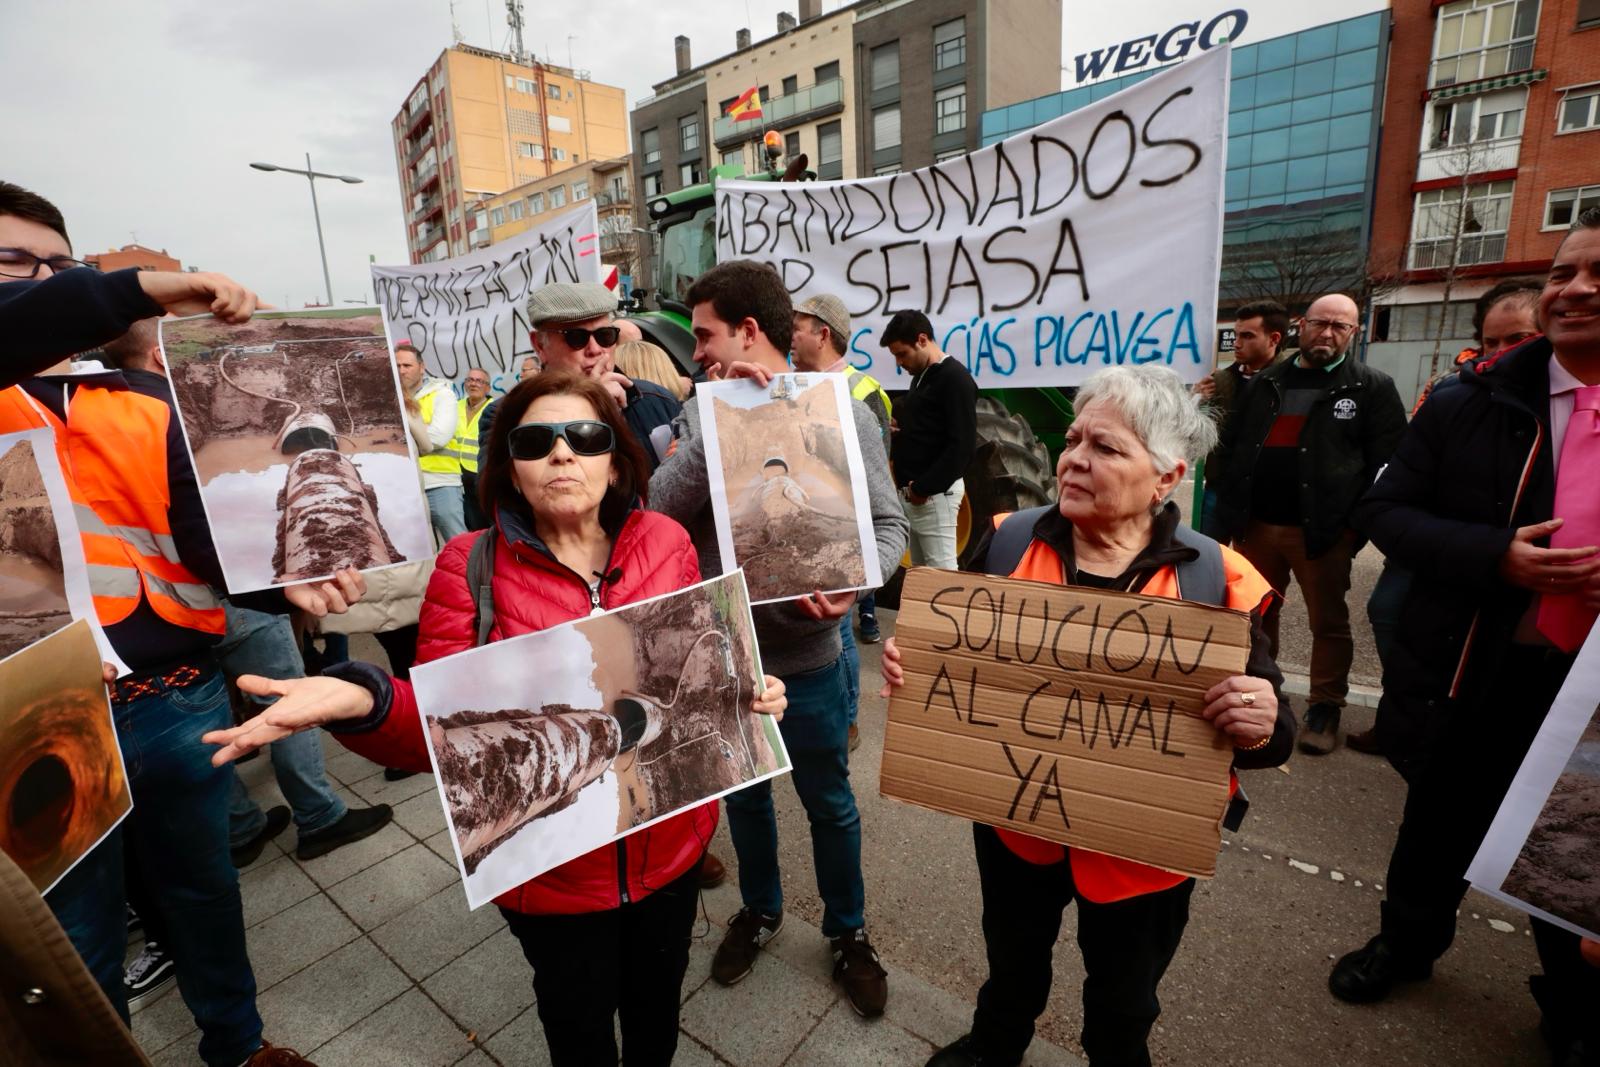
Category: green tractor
[1018,429]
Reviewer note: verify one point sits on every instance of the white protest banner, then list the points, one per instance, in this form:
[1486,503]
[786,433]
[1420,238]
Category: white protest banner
[1091,240]
[470,312]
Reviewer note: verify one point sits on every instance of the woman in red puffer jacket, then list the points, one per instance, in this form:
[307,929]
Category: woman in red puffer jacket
[608,931]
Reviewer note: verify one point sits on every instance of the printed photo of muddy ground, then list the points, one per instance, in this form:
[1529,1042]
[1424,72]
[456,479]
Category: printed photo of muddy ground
[1558,869]
[624,718]
[299,443]
[786,477]
[62,786]
[33,591]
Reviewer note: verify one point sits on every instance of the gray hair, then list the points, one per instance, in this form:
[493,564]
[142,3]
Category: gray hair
[1158,407]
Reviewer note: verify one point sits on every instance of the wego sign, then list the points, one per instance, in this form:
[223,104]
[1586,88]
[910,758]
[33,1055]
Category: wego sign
[1139,52]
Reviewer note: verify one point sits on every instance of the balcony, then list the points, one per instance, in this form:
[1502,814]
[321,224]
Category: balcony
[1475,157]
[426,177]
[431,205]
[1434,254]
[1486,63]
[419,148]
[427,236]
[613,199]
[819,101]
[420,117]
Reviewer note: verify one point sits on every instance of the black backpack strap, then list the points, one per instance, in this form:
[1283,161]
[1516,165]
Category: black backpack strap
[480,584]
[1204,579]
[1011,539]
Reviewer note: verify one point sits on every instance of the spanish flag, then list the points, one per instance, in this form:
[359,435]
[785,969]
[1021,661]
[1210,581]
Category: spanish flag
[748,106]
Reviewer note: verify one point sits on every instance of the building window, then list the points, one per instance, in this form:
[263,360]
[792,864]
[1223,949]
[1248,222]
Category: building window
[1477,118]
[1588,14]
[1420,322]
[497,216]
[954,153]
[558,196]
[733,158]
[650,145]
[1580,111]
[526,86]
[688,174]
[887,168]
[826,73]
[651,183]
[554,91]
[528,150]
[830,145]
[535,203]
[514,210]
[619,189]
[791,144]
[886,66]
[580,191]
[1564,205]
[950,109]
[950,44]
[689,133]
[558,154]
[1482,39]
[1455,227]
[791,85]
[886,127]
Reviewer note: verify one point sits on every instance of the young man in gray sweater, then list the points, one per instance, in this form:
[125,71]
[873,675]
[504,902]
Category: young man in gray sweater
[743,322]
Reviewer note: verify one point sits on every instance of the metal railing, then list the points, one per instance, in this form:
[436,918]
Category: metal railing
[1509,58]
[1434,254]
[781,110]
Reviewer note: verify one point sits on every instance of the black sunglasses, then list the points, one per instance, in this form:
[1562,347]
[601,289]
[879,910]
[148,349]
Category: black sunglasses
[578,337]
[586,437]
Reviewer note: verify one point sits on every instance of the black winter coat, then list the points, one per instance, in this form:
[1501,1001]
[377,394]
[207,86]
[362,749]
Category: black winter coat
[1474,466]
[1349,435]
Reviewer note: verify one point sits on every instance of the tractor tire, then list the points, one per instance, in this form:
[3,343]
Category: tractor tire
[1010,470]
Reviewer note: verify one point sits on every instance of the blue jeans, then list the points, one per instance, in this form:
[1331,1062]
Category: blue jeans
[1210,522]
[449,511]
[179,831]
[259,643]
[1384,606]
[815,730]
[852,666]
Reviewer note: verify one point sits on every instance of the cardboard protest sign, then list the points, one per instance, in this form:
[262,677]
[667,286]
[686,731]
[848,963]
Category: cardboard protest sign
[296,426]
[1093,239]
[44,577]
[62,783]
[548,745]
[788,486]
[471,311]
[1067,713]
[1542,852]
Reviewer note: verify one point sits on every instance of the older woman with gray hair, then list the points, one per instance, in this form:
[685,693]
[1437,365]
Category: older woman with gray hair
[1115,527]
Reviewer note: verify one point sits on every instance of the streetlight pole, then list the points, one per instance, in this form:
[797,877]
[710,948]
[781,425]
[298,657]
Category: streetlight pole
[311,177]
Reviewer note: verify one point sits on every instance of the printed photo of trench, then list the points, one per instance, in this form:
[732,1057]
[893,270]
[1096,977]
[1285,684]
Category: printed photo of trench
[33,590]
[62,785]
[786,484]
[552,744]
[299,441]
[1558,869]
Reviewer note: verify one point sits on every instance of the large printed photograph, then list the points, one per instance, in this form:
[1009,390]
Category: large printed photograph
[297,429]
[62,783]
[1558,867]
[788,487]
[551,744]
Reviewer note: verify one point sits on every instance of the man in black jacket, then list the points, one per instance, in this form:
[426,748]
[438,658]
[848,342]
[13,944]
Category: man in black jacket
[1306,440]
[935,429]
[1467,504]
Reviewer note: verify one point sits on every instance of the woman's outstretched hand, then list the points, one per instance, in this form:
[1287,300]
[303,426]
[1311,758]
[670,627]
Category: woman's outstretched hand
[303,703]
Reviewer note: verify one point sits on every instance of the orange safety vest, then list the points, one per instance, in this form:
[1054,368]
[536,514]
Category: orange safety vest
[1100,878]
[113,452]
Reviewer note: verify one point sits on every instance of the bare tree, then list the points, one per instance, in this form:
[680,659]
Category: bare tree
[1454,232]
[1301,263]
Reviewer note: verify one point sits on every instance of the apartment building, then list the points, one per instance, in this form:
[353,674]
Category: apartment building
[608,182]
[479,123]
[1491,147]
[134,255]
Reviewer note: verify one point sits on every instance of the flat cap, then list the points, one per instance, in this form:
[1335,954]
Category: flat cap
[569,302]
[830,310]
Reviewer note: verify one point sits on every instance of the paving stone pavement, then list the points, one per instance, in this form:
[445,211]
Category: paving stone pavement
[369,956]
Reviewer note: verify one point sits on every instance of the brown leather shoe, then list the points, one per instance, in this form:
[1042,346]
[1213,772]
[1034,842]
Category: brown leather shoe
[855,737]
[712,872]
[270,1055]
[1366,742]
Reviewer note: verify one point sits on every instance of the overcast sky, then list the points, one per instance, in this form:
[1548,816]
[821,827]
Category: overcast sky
[142,118]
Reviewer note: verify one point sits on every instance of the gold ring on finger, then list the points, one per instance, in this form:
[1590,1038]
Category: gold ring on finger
[1247,698]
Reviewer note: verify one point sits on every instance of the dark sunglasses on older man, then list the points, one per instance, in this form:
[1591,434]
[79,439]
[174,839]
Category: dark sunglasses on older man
[586,437]
[578,337]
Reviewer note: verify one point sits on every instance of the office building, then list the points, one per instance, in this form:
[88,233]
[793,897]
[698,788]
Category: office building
[479,123]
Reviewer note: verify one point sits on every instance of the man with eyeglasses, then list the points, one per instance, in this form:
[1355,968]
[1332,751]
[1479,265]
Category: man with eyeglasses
[1307,438]
[572,329]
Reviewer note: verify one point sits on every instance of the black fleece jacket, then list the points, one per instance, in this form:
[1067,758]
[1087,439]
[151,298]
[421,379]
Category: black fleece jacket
[43,322]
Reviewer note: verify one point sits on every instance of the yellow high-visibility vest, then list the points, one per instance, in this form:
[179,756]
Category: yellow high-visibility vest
[464,445]
[439,461]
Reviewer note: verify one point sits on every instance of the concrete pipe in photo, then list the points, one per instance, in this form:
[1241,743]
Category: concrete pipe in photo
[327,519]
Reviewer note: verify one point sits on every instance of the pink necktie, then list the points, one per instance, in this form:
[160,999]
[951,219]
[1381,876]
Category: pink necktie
[1563,618]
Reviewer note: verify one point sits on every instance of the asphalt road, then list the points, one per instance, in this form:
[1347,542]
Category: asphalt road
[1299,885]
